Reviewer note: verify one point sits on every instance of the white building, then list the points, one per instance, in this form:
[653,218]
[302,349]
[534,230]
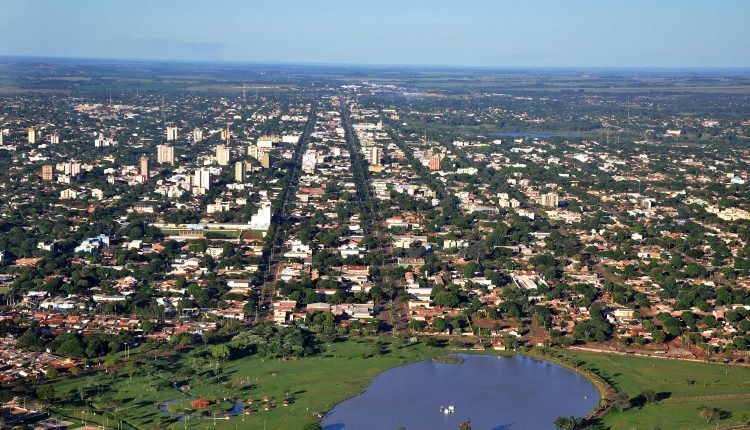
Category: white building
[171,133]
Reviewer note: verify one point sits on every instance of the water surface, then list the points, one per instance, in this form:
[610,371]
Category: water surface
[493,392]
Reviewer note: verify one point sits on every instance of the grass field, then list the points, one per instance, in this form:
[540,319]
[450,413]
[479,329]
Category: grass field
[314,385]
[684,387]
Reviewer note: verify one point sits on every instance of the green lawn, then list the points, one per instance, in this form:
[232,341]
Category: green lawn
[314,384]
[684,386]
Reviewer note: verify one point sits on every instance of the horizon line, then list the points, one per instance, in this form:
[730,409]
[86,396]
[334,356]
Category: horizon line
[384,65]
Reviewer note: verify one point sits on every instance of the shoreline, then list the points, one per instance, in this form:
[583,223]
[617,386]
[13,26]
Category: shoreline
[604,389]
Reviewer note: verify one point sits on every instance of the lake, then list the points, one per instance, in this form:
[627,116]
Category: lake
[494,392]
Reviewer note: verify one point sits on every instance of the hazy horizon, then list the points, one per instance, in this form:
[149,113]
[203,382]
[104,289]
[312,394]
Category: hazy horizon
[583,34]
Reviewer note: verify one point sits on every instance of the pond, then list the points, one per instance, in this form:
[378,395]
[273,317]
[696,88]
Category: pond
[494,392]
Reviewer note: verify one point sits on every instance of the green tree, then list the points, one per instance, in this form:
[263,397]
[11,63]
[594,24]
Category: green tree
[220,352]
[620,400]
[709,414]
[649,395]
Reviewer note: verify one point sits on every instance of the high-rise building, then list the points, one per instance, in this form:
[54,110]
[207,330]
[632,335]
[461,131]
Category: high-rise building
[202,179]
[171,133]
[373,155]
[54,139]
[197,135]
[144,166]
[72,168]
[240,170]
[222,155]
[32,135]
[435,160]
[252,151]
[550,200]
[165,154]
[226,134]
[265,160]
[48,172]
[1,137]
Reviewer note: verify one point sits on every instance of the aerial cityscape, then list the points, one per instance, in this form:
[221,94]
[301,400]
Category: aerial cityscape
[218,235]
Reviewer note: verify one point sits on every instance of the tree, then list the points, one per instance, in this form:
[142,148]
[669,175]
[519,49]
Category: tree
[568,423]
[620,400]
[659,336]
[312,426]
[51,373]
[110,362]
[466,425]
[45,392]
[709,414]
[220,352]
[649,395]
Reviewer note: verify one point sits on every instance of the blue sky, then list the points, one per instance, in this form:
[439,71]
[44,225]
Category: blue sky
[520,33]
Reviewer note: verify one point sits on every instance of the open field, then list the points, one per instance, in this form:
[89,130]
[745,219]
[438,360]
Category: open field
[313,384]
[683,386]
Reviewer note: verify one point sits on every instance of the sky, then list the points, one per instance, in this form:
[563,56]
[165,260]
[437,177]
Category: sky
[491,33]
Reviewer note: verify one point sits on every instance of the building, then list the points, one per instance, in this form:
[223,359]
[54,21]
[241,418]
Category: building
[550,200]
[222,155]
[165,154]
[54,139]
[253,151]
[197,135]
[32,135]
[240,170]
[101,141]
[72,168]
[435,160]
[202,179]
[265,160]
[373,155]
[309,160]
[144,166]
[171,133]
[48,172]
[93,244]
[262,219]
[267,141]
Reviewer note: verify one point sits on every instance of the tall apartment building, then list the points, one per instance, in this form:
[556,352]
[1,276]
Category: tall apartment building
[222,155]
[48,172]
[253,151]
[197,135]
[435,160]
[54,139]
[32,135]
[72,168]
[265,160]
[373,155]
[240,170]
[202,179]
[165,154]
[550,200]
[144,166]
[171,133]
